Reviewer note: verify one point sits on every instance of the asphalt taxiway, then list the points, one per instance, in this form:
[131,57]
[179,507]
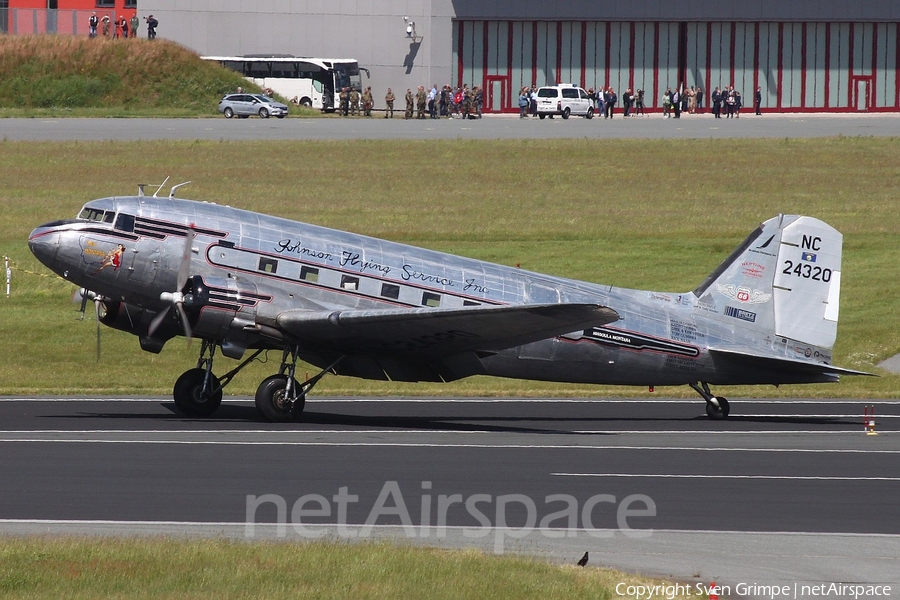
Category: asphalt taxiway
[653,126]
[783,491]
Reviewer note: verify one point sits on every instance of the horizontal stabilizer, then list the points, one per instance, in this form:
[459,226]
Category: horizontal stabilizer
[429,333]
[784,363]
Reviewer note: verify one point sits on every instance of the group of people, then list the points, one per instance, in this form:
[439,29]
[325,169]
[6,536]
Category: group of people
[352,103]
[120,27]
[731,100]
[677,101]
[435,103]
[464,102]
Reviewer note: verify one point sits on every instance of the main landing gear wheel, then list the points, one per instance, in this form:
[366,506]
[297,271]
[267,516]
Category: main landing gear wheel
[190,397]
[719,412]
[273,402]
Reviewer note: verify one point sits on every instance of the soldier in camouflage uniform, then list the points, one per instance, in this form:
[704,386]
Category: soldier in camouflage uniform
[409,104]
[344,97]
[389,105]
[354,103]
[421,101]
[367,102]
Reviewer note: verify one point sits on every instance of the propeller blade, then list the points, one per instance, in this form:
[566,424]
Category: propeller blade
[157,321]
[84,300]
[184,322]
[97,315]
[184,269]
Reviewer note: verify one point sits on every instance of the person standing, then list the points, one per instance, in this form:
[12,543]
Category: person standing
[409,104]
[104,25]
[524,102]
[134,25]
[421,102]
[611,100]
[717,103]
[124,24]
[152,24]
[344,99]
[389,104]
[757,100]
[92,25]
[532,99]
[367,101]
[354,102]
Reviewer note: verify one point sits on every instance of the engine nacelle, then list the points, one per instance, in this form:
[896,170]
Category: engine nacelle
[223,309]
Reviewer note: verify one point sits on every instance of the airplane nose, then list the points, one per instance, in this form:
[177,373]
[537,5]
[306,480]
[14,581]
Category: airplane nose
[44,243]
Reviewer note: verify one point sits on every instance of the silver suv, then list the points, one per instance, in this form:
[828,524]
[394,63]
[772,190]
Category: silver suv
[244,105]
[564,100]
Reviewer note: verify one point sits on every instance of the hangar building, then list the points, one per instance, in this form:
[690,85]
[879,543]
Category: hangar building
[803,55]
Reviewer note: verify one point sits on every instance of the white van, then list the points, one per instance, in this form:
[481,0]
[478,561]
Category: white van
[565,100]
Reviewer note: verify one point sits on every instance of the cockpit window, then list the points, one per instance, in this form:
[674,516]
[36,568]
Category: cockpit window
[97,215]
[124,222]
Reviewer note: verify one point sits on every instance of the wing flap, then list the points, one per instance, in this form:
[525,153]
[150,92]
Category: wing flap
[430,333]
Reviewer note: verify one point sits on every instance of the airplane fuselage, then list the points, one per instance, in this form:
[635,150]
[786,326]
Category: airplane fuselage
[128,249]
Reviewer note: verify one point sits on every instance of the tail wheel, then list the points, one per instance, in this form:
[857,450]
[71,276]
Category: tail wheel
[719,412]
[191,400]
[272,401]
[228,112]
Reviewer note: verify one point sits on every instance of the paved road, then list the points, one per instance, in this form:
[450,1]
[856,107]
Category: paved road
[782,492]
[490,127]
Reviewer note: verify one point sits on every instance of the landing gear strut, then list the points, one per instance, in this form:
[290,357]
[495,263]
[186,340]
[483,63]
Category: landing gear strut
[280,398]
[716,407]
[198,393]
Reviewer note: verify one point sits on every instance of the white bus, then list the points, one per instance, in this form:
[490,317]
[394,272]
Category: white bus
[307,81]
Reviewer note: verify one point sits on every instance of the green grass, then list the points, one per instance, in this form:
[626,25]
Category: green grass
[60,76]
[75,568]
[646,214]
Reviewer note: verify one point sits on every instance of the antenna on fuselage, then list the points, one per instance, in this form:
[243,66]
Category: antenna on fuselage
[175,187]
[160,187]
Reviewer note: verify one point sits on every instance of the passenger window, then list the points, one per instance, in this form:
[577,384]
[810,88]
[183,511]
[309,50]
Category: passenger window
[268,265]
[471,303]
[431,299]
[309,274]
[350,283]
[389,290]
[109,216]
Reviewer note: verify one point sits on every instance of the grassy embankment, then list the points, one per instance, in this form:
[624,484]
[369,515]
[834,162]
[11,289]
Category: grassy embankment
[49,75]
[158,568]
[647,214]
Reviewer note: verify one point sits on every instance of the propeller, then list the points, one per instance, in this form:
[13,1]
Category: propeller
[176,299]
[84,294]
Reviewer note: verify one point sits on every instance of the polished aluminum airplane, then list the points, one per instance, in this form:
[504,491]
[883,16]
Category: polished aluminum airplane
[158,267]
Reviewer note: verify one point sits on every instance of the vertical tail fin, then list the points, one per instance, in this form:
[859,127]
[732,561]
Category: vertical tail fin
[784,279]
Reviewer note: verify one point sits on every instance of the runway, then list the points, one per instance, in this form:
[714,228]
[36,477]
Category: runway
[786,490]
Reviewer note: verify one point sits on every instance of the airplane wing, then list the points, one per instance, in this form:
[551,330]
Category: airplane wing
[784,363]
[434,333]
